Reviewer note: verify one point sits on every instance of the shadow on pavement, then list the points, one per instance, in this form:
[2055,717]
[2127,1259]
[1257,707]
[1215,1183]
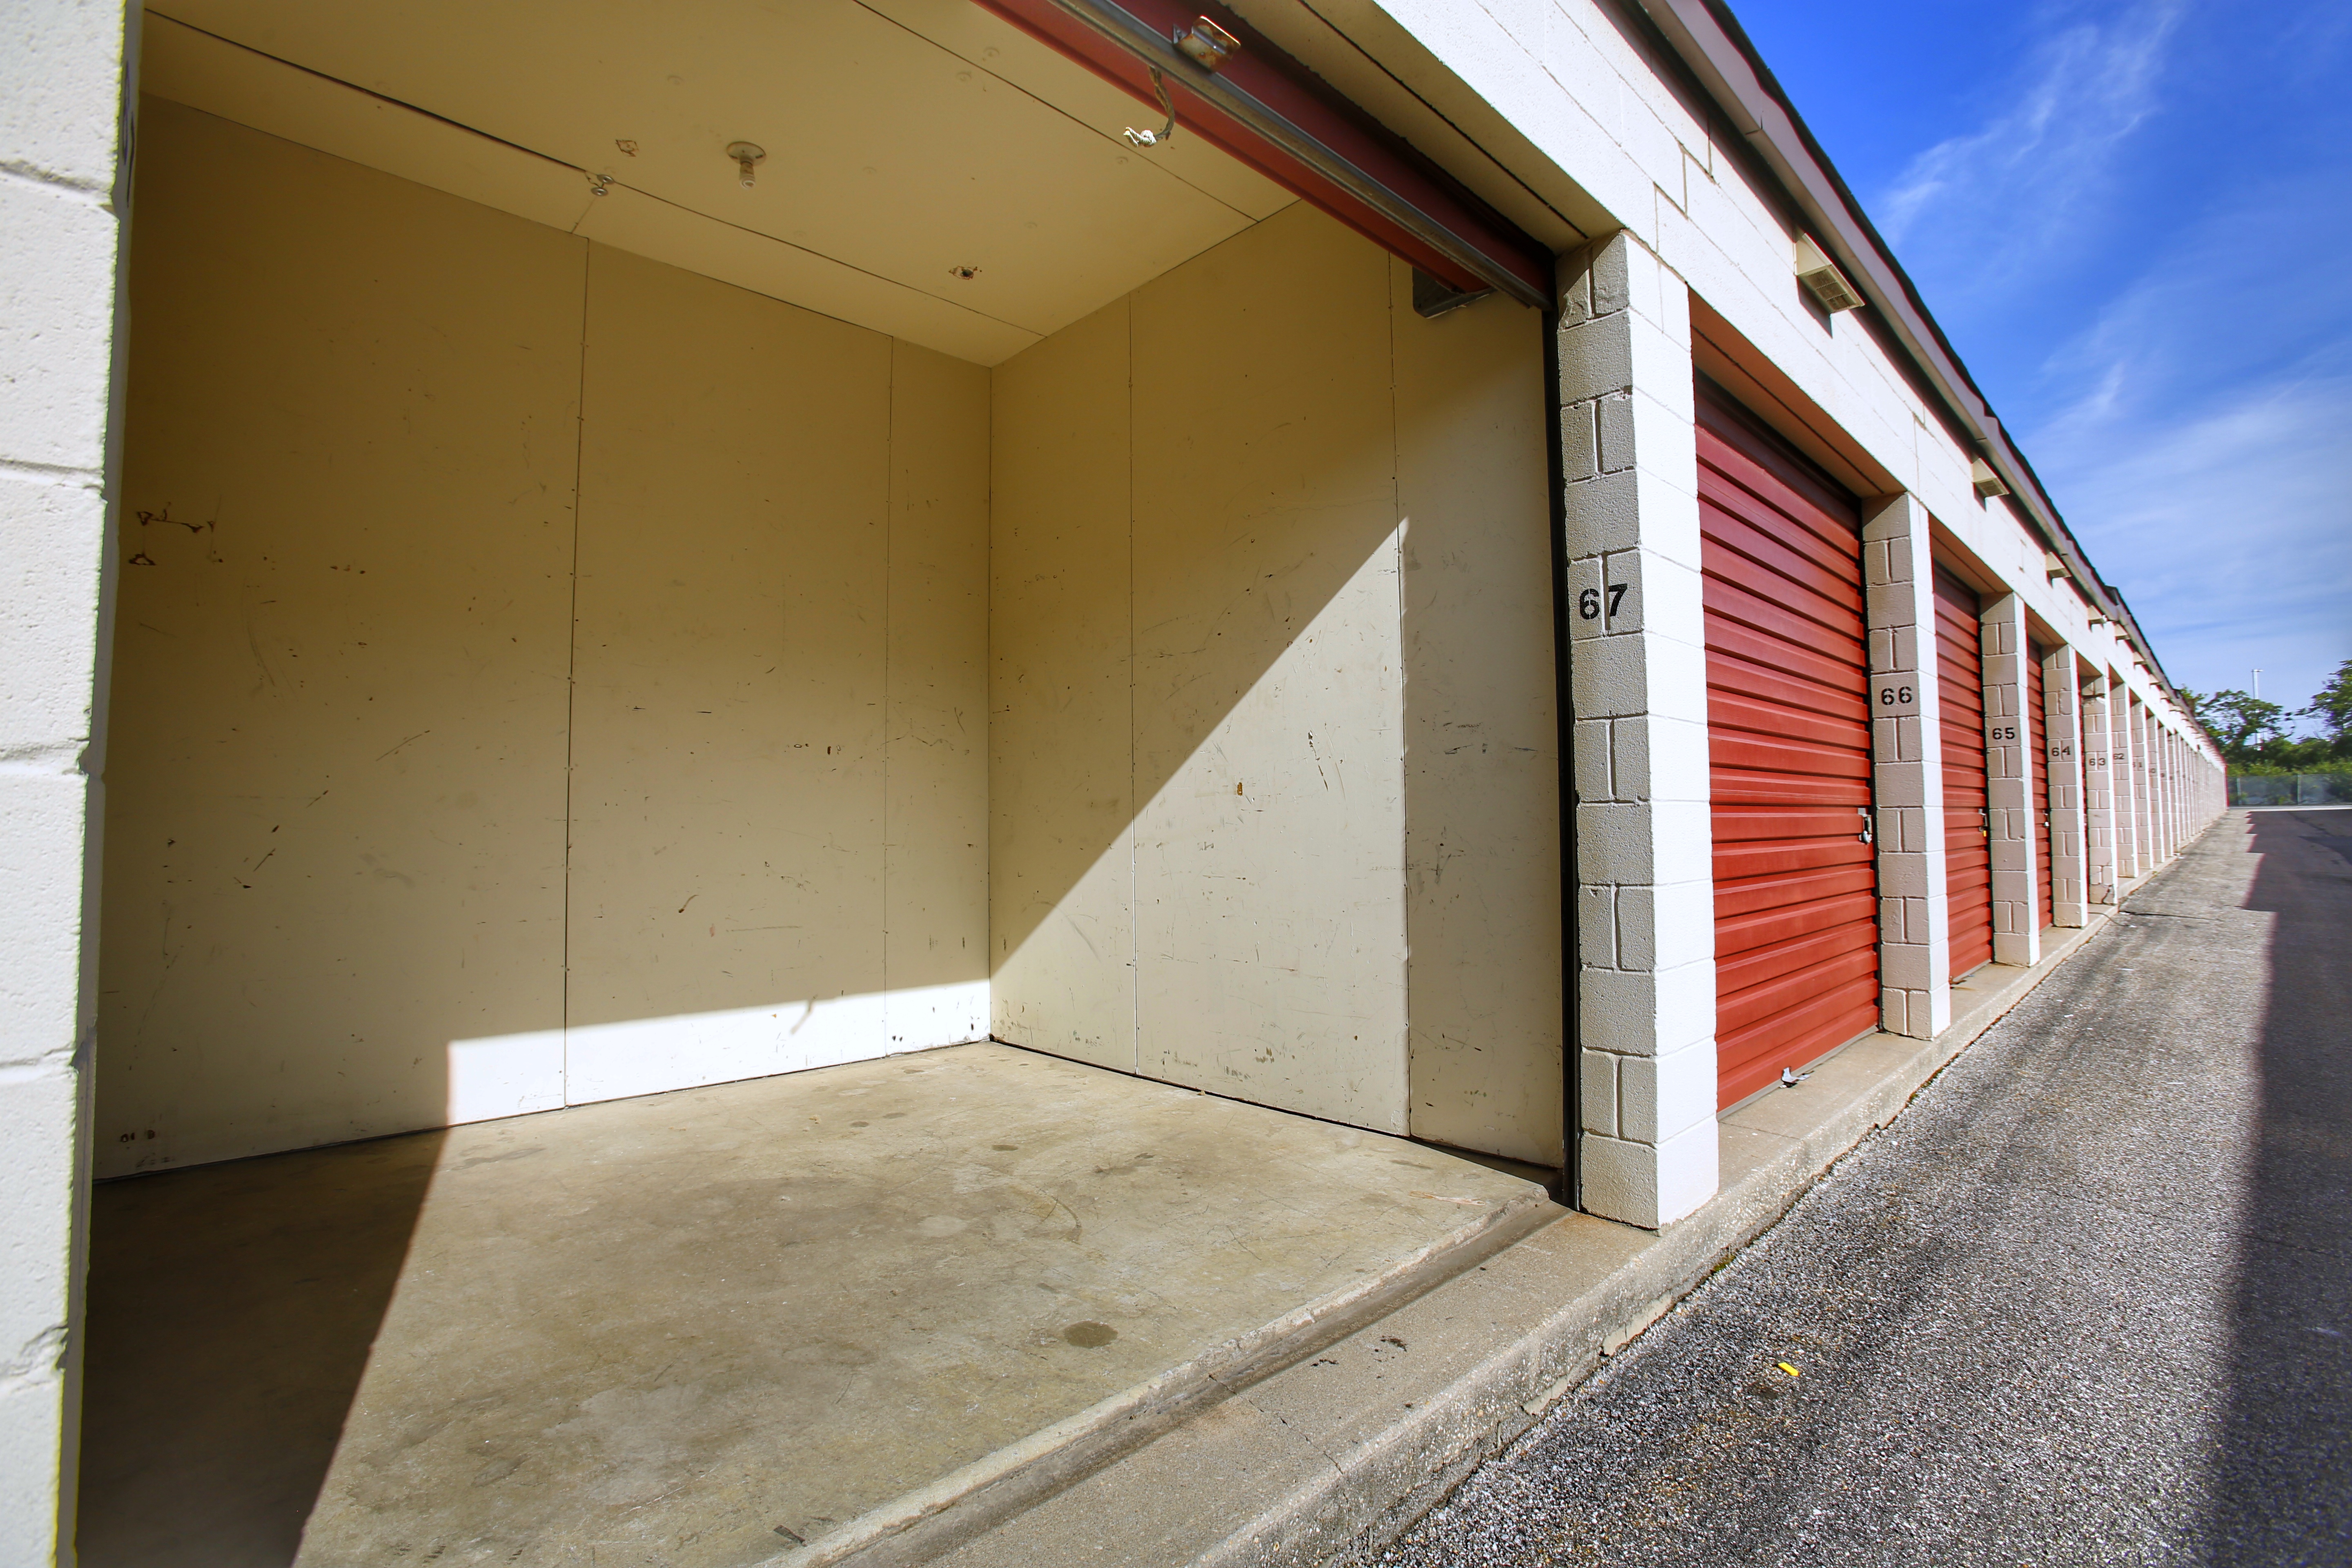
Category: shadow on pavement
[2283,1491]
[232,1307]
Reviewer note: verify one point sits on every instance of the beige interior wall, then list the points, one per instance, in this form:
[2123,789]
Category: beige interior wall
[1271,625]
[1484,886]
[1270,938]
[935,703]
[335,777]
[344,732]
[1062,697]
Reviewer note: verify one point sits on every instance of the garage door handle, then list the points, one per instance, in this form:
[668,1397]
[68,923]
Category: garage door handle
[1865,834]
[1984,822]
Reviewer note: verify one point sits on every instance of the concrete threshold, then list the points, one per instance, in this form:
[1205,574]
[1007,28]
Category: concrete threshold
[1327,1461]
[860,1311]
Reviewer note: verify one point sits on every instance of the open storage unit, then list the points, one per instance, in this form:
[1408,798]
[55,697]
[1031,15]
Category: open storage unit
[957,570]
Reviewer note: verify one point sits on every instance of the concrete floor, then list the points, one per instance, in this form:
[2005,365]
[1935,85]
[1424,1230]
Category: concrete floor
[2089,1301]
[703,1328]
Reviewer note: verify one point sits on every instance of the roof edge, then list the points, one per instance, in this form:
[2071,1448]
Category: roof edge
[1718,52]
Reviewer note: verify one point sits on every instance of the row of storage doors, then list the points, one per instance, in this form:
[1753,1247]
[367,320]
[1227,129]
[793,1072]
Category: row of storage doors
[1787,670]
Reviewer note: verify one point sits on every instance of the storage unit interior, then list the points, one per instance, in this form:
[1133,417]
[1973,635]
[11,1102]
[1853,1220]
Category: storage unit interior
[598,617]
[978,576]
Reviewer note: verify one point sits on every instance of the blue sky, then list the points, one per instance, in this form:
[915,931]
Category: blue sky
[2134,220]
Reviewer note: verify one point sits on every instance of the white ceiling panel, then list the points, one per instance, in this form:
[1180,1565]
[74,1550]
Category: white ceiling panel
[897,160]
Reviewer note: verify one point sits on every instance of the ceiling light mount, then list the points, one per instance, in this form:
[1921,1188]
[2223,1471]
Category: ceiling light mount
[1207,45]
[748,156]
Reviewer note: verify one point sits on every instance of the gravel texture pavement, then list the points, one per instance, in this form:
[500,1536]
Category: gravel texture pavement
[2089,1300]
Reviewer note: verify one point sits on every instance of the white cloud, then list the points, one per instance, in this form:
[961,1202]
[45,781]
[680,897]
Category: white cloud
[2002,197]
[2203,450]
[2228,527]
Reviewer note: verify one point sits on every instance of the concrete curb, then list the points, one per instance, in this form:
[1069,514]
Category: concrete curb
[1329,1461]
[916,1526]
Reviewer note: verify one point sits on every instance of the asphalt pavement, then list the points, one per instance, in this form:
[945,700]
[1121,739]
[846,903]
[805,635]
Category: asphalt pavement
[2088,1301]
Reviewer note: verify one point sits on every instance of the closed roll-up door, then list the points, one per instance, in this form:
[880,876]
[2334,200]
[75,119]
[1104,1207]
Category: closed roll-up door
[2038,729]
[1968,838]
[1796,886]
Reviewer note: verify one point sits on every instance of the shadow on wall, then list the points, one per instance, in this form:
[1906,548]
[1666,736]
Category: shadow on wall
[231,1311]
[2281,1482]
[1273,791]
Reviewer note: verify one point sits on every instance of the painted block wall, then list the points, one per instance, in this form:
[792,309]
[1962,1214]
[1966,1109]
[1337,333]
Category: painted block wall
[64,76]
[547,674]
[1274,781]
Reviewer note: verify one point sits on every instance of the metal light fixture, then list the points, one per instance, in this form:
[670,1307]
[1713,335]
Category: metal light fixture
[1208,45]
[1988,483]
[1822,278]
[747,156]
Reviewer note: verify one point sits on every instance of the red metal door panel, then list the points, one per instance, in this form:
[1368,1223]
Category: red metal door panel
[1795,888]
[2038,728]
[1968,840]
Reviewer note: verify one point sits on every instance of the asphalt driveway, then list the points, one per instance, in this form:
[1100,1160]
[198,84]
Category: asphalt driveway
[2089,1301]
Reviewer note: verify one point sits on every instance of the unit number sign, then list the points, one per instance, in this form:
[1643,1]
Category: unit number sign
[1894,695]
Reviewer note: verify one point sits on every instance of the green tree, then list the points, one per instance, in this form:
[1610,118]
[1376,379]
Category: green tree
[2332,706]
[2239,723]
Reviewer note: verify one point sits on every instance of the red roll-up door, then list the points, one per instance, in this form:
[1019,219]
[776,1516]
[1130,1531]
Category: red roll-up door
[2038,732]
[1968,838]
[1796,886]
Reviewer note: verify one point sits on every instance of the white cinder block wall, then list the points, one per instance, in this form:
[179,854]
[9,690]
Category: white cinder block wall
[63,177]
[1646,915]
[1915,954]
[2008,783]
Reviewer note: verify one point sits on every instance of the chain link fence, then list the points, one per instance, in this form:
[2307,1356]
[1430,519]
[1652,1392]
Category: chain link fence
[2291,789]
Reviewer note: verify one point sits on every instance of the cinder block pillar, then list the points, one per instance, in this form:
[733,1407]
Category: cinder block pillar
[2098,790]
[2160,755]
[1906,758]
[63,191]
[1645,898]
[2069,894]
[2009,783]
[2168,835]
[2175,824]
[2125,767]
